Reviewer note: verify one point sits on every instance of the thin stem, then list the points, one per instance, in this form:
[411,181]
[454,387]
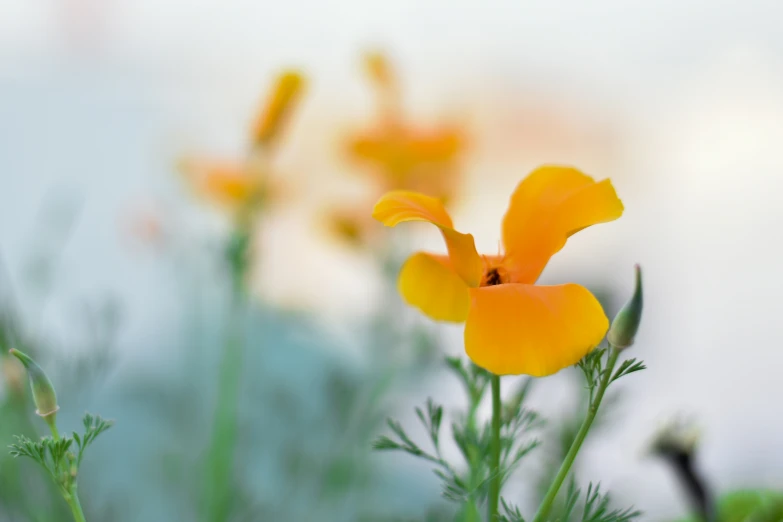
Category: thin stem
[554,488]
[70,495]
[53,428]
[72,498]
[220,459]
[494,482]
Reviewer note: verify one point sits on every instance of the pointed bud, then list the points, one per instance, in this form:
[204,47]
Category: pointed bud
[626,322]
[379,69]
[44,395]
[278,107]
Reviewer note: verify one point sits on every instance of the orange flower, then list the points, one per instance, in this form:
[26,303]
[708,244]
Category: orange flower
[400,155]
[512,325]
[244,184]
[397,155]
[411,159]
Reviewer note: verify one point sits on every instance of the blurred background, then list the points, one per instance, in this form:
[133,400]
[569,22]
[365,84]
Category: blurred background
[112,267]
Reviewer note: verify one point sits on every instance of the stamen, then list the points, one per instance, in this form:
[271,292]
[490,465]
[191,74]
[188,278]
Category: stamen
[492,277]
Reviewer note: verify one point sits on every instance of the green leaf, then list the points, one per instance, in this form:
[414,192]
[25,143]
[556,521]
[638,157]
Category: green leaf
[627,367]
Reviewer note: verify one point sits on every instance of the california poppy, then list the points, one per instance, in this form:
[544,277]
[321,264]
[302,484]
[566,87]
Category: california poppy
[400,155]
[411,158]
[512,325]
[242,184]
[397,154]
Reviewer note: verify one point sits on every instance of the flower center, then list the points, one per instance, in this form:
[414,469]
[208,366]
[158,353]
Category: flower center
[492,277]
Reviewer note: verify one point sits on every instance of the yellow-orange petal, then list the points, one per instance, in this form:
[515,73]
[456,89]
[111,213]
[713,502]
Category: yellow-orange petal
[429,283]
[399,206]
[277,108]
[515,329]
[547,207]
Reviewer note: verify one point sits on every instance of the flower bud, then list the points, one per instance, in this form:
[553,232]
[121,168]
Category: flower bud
[626,322]
[379,69]
[278,107]
[44,395]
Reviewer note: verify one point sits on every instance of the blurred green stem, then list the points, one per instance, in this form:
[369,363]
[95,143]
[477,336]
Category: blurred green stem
[220,459]
[72,498]
[565,468]
[69,493]
[494,470]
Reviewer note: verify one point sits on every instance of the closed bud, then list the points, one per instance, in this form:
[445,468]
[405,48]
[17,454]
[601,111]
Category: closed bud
[626,322]
[278,107]
[379,69]
[44,395]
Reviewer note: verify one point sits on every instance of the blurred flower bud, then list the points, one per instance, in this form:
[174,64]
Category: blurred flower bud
[278,107]
[379,69]
[679,435]
[44,395]
[677,443]
[626,322]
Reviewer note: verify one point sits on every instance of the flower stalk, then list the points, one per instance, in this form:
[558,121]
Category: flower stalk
[565,468]
[69,491]
[220,460]
[72,498]
[495,478]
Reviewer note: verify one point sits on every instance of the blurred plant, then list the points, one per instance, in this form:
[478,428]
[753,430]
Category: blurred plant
[56,454]
[502,308]
[468,488]
[397,154]
[677,444]
[245,188]
[596,508]
[26,299]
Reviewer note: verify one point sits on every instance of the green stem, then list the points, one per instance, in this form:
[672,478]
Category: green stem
[53,428]
[221,455]
[494,471]
[554,488]
[72,498]
[220,458]
[70,495]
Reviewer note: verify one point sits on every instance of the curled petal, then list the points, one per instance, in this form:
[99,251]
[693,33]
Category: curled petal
[399,206]
[429,283]
[517,329]
[547,207]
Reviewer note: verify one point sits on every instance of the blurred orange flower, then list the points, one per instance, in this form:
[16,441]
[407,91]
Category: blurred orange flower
[411,159]
[398,155]
[512,325]
[245,184]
